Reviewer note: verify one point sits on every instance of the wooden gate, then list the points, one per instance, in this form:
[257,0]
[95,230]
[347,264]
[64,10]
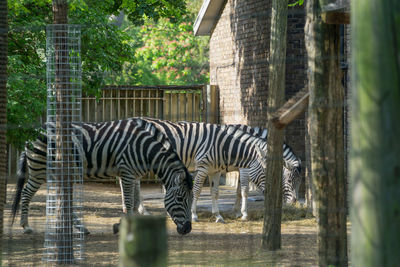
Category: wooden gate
[175,103]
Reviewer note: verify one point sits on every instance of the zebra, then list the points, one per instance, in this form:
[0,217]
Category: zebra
[291,173]
[211,149]
[125,148]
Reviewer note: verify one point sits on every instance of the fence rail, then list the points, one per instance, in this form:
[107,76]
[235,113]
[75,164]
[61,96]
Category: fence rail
[174,103]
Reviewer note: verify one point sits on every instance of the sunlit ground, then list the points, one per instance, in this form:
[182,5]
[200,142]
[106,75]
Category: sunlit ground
[234,243]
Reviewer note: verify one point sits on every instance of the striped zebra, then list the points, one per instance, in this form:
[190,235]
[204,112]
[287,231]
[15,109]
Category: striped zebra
[291,174]
[126,148]
[211,149]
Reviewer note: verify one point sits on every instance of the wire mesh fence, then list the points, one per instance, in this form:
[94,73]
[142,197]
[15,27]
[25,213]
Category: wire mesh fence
[64,237]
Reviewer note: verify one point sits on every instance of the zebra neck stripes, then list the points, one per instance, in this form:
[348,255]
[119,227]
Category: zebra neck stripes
[125,148]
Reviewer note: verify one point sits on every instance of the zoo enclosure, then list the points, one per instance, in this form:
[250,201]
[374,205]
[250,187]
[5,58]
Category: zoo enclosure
[175,103]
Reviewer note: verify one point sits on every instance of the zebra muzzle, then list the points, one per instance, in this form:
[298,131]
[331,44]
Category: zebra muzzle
[185,228]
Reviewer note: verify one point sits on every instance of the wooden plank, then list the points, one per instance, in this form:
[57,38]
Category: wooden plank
[96,112]
[193,106]
[119,105]
[336,17]
[149,104]
[157,114]
[126,105]
[291,109]
[104,106]
[141,104]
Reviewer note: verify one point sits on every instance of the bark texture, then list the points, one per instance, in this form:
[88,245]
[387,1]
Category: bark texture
[271,236]
[326,136]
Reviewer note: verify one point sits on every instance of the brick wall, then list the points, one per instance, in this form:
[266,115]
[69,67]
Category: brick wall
[239,48]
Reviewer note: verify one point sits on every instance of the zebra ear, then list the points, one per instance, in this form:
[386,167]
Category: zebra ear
[264,134]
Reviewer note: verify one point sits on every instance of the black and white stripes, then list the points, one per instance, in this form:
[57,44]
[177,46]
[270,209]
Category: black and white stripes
[211,149]
[126,148]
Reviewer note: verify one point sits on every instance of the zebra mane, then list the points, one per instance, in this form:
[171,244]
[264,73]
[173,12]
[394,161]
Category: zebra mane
[238,132]
[163,139]
[149,127]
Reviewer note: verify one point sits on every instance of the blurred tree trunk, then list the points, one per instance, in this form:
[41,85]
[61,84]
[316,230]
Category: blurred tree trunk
[271,235]
[3,113]
[326,136]
[375,132]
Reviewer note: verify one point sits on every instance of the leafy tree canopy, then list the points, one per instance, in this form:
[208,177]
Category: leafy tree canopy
[105,48]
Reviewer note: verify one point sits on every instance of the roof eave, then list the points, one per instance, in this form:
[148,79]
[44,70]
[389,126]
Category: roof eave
[207,17]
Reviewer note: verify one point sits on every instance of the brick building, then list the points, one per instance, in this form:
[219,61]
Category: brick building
[239,33]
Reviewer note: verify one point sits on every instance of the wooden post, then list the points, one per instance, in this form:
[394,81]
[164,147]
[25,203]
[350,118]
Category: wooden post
[211,104]
[291,109]
[271,235]
[326,136]
[375,131]
[143,241]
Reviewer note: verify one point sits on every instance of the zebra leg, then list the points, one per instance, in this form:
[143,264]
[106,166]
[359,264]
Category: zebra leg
[79,225]
[214,183]
[137,201]
[30,189]
[127,191]
[244,184]
[122,195]
[236,208]
[138,206]
[198,184]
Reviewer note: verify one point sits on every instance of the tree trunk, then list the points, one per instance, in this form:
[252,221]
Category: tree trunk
[64,147]
[310,192]
[326,136]
[271,236]
[3,113]
[375,146]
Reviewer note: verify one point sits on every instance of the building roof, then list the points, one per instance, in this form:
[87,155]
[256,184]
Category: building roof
[207,17]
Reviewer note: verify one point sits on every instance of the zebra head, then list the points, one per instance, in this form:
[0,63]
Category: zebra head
[289,193]
[178,200]
[292,180]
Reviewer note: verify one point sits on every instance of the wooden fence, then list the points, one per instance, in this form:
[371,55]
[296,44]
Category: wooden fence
[175,103]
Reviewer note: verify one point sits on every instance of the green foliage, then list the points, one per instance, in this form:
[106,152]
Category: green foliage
[26,99]
[105,48]
[295,3]
[167,54]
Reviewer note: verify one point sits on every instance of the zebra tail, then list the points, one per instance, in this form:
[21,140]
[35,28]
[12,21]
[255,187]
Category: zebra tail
[21,176]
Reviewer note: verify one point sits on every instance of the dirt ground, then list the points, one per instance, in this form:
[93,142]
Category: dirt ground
[234,243]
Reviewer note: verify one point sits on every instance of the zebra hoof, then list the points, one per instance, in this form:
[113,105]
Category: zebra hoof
[143,211]
[85,231]
[219,219]
[244,218]
[116,228]
[195,218]
[28,230]
[238,215]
